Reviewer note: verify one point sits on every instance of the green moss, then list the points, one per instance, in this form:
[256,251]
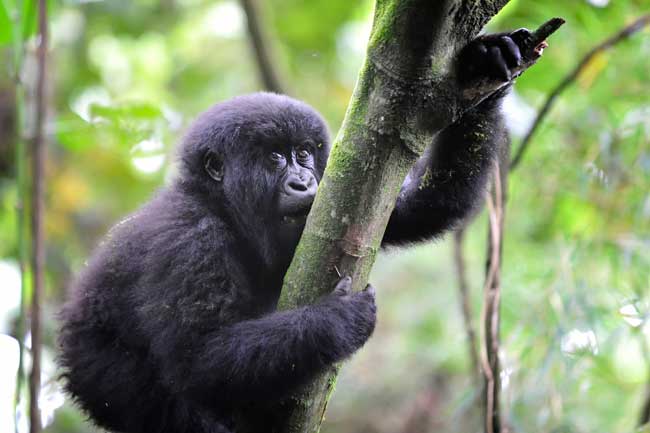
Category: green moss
[342,160]
[426,180]
[381,28]
[331,385]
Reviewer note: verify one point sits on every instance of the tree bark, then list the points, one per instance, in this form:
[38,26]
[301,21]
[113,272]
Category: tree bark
[406,92]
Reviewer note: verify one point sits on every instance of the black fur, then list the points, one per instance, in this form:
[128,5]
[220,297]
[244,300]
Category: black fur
[172,325]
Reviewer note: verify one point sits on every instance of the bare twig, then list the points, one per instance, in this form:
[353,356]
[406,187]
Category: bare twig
[261,46]
[38,252]
[544,31]
[625,33]
[465,303]
[21,238]
[491,304]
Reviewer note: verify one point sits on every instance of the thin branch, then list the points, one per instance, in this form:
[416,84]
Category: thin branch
[465,303]
[544,31]
[491,304]
[623,34]
[21,238]
[260,42]
[38,251]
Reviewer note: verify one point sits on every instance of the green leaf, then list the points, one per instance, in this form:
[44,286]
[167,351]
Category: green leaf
[126,112]
[18,20]
[73,133]
[6,26]
[28,18]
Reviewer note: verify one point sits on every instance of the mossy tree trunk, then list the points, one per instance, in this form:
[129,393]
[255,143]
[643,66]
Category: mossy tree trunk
[406,92]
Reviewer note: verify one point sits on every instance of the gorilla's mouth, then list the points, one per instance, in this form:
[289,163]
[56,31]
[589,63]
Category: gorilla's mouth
[293,210]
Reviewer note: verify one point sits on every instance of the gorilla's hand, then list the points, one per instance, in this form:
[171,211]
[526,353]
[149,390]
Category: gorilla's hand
[354,312]
[495,57]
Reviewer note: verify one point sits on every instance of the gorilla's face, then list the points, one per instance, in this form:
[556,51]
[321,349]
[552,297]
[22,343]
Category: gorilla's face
[293,184]
[297,182]
[261,157]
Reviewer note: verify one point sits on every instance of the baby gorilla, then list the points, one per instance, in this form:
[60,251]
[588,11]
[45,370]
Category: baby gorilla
[172,326]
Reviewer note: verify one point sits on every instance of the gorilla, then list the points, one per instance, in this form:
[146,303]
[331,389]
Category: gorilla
[172,325]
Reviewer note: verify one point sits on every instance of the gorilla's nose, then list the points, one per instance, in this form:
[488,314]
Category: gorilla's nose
[297,186]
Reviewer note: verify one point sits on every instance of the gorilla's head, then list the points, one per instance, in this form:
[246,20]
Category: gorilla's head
[257,160]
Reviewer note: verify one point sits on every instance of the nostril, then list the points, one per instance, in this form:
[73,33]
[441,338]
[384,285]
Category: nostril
[297,186]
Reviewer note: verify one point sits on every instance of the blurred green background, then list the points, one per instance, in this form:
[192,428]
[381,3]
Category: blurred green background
[126,78]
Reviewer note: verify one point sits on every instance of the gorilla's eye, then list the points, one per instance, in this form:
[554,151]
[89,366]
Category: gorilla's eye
[277,158]
[303,154]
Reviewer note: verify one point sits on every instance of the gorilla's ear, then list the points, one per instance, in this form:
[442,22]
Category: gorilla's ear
[213,166]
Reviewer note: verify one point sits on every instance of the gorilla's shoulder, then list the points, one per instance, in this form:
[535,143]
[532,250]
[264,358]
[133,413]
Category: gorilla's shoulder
[170,222]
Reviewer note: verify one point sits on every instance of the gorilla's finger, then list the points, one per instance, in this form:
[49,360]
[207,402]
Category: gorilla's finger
[480,49]
[344,286]
[370,290]
[510,51]
[521,36]
[473,60]
[498,64]
[479,54]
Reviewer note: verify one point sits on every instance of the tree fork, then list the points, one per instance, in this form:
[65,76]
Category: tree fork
[406,92]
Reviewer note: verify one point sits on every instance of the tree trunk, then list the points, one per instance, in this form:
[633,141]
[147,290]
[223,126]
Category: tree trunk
[406,92]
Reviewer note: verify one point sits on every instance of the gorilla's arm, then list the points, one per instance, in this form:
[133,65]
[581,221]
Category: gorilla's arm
[449,181]
[264,359]
[269,356]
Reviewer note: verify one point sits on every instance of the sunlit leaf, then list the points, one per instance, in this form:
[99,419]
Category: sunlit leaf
[28,17]
[6,26]
[73,133]
[576,216]
[126,111]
